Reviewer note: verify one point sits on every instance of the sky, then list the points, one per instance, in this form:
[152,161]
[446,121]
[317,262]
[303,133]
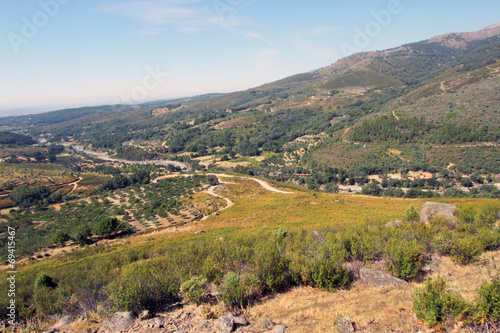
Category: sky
[70,53]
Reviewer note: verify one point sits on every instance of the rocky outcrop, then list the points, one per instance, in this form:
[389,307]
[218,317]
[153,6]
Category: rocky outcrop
[430,210]
[119,322]
[375,278]
[344,325]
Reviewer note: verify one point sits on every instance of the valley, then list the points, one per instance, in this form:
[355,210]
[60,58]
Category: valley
[273,204]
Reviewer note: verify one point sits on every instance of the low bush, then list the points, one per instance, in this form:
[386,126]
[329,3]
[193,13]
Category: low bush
[434,304]
[195,289]
[231,291]
[405,258]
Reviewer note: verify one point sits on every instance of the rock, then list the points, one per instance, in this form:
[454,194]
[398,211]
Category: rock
[221,239]
[200,232]
[181,332]
[50,330]
[393,224]
[66,320]
[375,278]
[433,266]
[432,209]
[238,321]
[145,315]
[205,324]
[344,325]
[226,323]
[279,329]
[118,322]
[160,321]
[267,324]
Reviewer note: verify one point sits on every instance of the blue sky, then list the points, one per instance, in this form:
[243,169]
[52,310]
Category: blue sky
[69,53]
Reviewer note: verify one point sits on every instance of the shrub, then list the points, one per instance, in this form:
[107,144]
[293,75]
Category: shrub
[411,215]
[433,303]
[272,267]
[488,304]
[405,258]
[60,238]
[328,274]
[194,289]
[106,226]
[44,281]
[231,290]
[144,286]
[466,250]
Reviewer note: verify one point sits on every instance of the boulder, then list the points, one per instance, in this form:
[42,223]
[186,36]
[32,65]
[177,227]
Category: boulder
[119,322]
[432,209]
[239,321]
[226,323]
[279,329]
[344,325]
[375,278]
[200,232]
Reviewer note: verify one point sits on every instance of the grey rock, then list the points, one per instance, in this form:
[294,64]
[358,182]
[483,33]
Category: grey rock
[160,321]
[145,315]
[66,320]
[375,278]
[279,329]
[238,321]
[50,330]
[267,323]
[200,232]
[226,323]
[119,322]
[344,325]
[181,332]
[205,324]
[432,209]
[394,224]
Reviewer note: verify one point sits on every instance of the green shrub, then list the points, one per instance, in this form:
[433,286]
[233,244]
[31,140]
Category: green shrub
[466,249]
[272,267]
[411,215]
[405,258]
[231,291]
[60,238]
[142,286]
[488,303]
[433,303]
[44,281]
[106,226]
[194,289]
[328,274]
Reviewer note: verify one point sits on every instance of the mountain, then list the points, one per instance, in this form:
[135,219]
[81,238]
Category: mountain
[441,91]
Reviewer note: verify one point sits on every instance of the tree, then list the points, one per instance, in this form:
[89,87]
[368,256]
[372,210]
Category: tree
[60,238]
[106,226]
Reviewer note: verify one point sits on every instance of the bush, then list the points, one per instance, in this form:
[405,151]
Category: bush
[328,274]
[405,258]
[231,291]
[44,281]
[488,304]
[194,289]
[466,250]
[60,238]
[272,267]
[141,286]
[433,303]
[411,215]
[106,226]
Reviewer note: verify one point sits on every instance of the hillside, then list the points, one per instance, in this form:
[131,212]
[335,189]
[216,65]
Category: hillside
[268,202]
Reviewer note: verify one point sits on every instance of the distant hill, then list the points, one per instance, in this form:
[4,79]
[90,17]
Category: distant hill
[13,139]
